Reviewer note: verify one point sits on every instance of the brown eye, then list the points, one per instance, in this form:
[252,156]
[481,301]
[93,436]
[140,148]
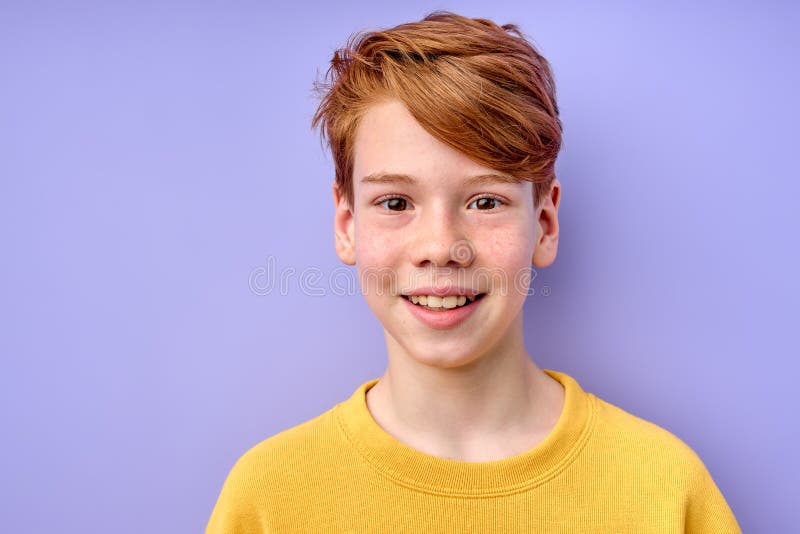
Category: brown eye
[394,203]
[486,203]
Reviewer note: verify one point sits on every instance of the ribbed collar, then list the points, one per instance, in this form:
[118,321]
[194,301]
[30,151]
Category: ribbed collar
[418,470]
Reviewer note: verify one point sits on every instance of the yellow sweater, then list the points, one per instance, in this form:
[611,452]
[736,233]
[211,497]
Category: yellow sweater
[601,470]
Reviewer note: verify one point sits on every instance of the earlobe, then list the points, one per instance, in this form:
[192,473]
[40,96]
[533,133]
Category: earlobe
[343,226]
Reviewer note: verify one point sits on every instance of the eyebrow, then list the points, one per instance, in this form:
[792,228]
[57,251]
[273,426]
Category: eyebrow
[477,180]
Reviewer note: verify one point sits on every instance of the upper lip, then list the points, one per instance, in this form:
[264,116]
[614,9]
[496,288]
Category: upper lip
[442,292]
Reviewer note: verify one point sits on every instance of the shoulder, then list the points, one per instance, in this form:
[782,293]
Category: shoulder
[259,485]
[651,461]
[269,458]
[645,445]
[617,423]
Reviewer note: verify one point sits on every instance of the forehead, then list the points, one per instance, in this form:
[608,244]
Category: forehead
[390,140]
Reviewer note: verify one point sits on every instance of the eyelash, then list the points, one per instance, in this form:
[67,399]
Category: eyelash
[384,198]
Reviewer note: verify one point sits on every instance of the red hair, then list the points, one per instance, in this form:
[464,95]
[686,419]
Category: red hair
[478,87]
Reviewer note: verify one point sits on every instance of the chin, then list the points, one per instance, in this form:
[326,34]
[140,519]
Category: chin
[443,358]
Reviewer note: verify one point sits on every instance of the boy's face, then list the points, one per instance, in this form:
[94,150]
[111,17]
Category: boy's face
[440,231]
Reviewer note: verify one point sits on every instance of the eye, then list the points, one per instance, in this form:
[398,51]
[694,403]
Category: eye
[392,203]
[486,203]
[396,203]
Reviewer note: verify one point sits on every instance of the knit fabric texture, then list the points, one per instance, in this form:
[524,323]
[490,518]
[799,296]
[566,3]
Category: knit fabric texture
[600,470]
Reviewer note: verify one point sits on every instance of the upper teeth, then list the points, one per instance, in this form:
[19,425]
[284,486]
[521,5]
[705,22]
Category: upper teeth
[441,302]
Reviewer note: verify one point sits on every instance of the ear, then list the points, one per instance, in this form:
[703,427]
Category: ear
[343,227]
[547,232]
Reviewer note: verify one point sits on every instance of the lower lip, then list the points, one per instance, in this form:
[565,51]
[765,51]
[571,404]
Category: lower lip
[442,320]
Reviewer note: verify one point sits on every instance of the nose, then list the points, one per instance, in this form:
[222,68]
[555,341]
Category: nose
[440,241]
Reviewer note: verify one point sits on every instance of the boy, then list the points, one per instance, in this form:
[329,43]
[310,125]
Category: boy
[445,134]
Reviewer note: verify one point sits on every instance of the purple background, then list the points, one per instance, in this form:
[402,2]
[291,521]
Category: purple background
[155,155]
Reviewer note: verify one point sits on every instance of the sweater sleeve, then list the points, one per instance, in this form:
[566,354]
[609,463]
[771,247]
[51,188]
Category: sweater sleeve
[707,511]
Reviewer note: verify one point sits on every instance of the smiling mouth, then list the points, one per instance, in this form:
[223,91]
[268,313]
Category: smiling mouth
[442,308]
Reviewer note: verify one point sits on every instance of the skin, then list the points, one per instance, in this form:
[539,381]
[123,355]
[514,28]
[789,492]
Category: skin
[471,392]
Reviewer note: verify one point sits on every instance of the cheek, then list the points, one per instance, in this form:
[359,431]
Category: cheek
[509,247]
[373,248]
[508,254]
[377,262]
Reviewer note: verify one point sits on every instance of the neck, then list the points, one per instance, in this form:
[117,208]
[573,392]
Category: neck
[492,407]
